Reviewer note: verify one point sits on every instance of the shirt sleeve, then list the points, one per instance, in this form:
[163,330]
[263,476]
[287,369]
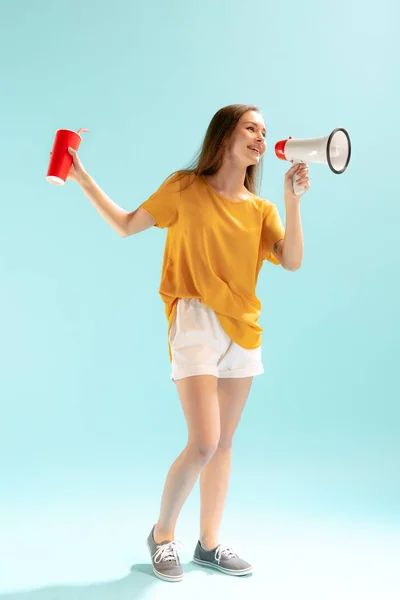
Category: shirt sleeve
[272,232]
[163,205]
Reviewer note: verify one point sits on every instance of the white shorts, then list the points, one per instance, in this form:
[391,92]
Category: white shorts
[199,346]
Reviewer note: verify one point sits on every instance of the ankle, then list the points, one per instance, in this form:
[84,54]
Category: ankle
[163,535]
[208,544]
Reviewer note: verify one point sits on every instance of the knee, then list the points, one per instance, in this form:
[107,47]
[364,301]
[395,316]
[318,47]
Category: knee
[203,450]
[225,443]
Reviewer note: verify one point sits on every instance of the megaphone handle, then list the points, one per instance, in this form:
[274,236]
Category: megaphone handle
[298,189]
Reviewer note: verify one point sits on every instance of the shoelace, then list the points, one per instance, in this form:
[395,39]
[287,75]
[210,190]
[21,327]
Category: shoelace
[166,552]
[224,551]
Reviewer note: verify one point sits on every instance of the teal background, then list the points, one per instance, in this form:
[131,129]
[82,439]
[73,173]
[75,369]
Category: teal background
[90,422]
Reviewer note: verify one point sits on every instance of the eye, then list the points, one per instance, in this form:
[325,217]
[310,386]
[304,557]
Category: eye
[263,134]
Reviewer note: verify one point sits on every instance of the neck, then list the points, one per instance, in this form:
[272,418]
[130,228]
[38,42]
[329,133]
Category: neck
[229,180]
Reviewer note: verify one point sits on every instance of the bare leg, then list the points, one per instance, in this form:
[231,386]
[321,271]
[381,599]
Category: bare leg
[199,399]
[214,478]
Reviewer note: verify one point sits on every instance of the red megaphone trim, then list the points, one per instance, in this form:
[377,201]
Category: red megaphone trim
[280,149]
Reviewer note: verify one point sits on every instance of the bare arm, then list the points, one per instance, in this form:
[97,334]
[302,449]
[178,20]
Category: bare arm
[138,221]
[277,251]
[123,222]
[111,212]
[289,251]
[291,255]
[284,253]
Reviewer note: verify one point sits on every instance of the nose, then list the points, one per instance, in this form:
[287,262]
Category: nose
[262,142]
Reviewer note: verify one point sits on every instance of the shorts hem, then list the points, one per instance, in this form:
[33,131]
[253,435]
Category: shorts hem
[205,370]
[192,372]
[239,373]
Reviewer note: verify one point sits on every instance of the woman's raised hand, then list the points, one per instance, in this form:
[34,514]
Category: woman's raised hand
[77,172]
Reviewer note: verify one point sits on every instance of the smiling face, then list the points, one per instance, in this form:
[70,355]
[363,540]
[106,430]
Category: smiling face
[247,144]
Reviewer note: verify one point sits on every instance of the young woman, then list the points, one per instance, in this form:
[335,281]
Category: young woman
[219,233]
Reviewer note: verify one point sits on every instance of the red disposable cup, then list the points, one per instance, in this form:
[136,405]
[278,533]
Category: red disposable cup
[61,159]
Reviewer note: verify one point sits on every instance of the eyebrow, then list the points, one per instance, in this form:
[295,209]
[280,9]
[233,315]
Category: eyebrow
[253,123]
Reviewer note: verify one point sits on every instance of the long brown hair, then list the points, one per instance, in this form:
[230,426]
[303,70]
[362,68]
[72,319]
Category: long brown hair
[209,158]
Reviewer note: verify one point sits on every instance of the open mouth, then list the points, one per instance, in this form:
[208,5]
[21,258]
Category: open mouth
[255,150]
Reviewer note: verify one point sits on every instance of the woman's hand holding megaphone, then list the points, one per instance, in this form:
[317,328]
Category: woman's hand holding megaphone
[296,179]
[298,173]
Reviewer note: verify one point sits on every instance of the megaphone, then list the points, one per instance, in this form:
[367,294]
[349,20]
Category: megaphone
[333,150]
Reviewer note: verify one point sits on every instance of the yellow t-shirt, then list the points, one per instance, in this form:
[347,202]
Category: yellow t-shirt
[214,251]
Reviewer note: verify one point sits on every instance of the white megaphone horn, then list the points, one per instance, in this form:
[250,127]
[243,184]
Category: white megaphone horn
[333,150]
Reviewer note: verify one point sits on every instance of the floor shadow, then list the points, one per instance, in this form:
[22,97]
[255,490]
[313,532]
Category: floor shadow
[146,569]
[134,586]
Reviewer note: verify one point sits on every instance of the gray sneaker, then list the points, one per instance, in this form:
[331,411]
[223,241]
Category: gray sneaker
[166,563]
[223,559]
